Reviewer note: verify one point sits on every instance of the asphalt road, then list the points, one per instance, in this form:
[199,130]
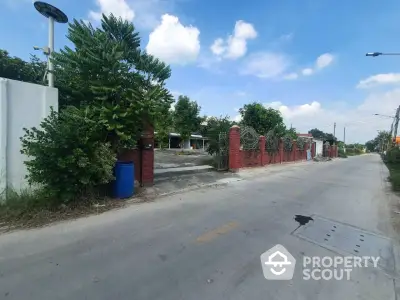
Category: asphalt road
[206,244]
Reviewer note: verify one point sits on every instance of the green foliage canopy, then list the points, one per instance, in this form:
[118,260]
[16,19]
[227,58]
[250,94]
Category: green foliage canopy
[17,69]
[262,119]
[108,72]
[68,157]
[186,117]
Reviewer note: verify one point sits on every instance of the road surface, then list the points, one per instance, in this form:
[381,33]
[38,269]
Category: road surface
[206,244]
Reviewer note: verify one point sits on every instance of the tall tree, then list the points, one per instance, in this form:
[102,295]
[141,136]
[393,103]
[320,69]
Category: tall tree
[371,145]
[108,72]
[262,119]
[318,134]
[186,117]
[292,133]
[163,127]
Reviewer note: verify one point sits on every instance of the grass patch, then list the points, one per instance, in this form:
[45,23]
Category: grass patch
[29,209]
[394,169]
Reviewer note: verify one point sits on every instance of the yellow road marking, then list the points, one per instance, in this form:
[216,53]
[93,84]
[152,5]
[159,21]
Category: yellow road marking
[213,234]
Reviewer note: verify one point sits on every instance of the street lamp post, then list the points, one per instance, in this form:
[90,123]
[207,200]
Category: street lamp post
[375,54]
[54,15]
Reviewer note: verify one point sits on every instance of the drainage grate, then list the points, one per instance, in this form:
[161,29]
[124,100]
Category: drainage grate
[346,239]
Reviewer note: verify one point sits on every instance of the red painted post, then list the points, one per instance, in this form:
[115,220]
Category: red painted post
[147,172]
[234,148]
[262,150]
[280,151]
[294,150]
[313,146]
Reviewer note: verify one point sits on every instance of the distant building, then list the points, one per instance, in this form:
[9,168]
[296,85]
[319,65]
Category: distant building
[319,144]
[196,141]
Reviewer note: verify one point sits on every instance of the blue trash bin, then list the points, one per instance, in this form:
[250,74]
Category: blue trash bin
[124,185]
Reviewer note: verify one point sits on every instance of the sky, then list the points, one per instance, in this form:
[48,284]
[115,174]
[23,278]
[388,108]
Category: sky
[305,58]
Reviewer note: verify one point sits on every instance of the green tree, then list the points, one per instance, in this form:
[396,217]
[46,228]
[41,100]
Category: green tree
[371,145]
[212,130]
[292,133]
[186,117]
[67,155]
[383,140]
[108,72]
[163,126]
[318,134]
[16,68]
[262,119]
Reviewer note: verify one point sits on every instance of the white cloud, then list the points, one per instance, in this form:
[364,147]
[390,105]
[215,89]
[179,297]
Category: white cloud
[379,79]
[321,62]
[273,65]
[173,42]
[218,47]
[144,13]
[307,71]
[291,76]
[324,60]
[286,37]
[235,45]
[300,110]
[119,8]
[236,118]
[265,65]
[360,122]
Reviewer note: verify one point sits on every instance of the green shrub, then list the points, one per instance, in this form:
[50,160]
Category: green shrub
[66,155]
[341,153]
[393,155]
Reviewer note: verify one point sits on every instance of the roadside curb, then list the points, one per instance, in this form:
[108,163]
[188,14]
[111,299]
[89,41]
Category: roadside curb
[218,183]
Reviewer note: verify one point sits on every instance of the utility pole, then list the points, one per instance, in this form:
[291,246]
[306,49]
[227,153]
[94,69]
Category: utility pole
[396,124]
[334,130]
[344,138]
[344,135]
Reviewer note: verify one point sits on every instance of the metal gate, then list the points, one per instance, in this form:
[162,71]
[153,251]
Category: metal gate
[223,152]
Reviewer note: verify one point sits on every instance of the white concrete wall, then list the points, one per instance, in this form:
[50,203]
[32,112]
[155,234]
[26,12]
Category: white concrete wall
[319,146]
[21,105]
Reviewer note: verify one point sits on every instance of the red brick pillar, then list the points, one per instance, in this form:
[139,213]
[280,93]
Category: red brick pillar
[262,150]
[313,146]
[147,172]
[234,148]
[294,151]
[280,151]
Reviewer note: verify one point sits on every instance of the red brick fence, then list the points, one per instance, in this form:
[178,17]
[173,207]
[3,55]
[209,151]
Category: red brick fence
[239,158]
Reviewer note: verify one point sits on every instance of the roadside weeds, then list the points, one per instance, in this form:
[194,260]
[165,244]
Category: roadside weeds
[27,210]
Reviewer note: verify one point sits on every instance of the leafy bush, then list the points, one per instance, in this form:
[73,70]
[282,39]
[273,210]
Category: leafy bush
[394,169]
[393,155]
[66,155]
[217,131]
[287,143]
[341,153]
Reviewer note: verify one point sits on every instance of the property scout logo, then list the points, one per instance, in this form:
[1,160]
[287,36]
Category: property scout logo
[278,264]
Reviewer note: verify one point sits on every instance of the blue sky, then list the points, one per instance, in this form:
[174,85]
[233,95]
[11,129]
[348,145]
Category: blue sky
[225,54]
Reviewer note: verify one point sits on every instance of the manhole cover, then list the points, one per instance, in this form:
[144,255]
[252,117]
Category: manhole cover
[346,239]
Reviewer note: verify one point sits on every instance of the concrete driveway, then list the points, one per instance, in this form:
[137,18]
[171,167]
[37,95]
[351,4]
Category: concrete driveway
[173,159]
[206,244]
